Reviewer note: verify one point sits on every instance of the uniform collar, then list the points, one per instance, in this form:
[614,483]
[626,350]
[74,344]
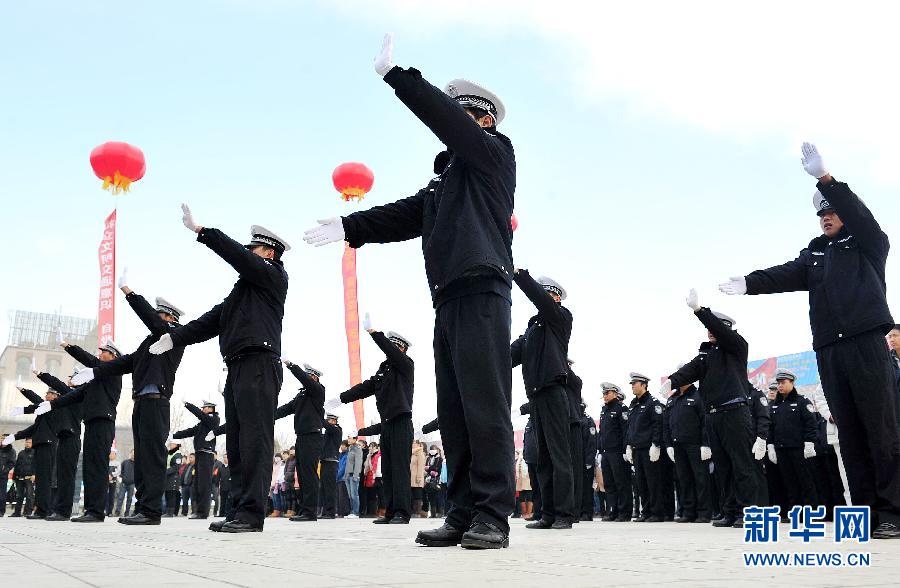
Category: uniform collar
[789,398]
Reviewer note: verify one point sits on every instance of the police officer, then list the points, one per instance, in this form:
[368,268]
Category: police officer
[152,381]
[248,323]
[588,463]
[307,408]
[98,400]
[7,463]
[23,474]
[576,441]
[331,450]
[644,440]
[759,409]
[893,339]
[542,352]
[721,368]
[774,485]
[173,485]
[616,472]
[392,387]
[687,446]
[792,439]
[844,272]
[43,437]
[204,438]
[467,246]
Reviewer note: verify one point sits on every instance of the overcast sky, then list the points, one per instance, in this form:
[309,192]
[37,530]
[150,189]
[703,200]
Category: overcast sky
[657,146]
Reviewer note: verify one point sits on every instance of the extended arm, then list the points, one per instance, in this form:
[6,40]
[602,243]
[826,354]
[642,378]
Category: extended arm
[388,223]
[147,314]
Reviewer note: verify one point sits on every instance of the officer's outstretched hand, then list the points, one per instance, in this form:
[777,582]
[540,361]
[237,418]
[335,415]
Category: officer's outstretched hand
[666,389]
[773,457]
[332,404]
[627,454]
[188,219]
[735,285]
[83,377]
[670,451]
[759,448]
[330,230]
[692,300]
[210,436]
[384,61]
[809,450]
[164,344]
[654,453]
[705,453]
[812,161]
[43,408]
[8,440]
[367,323]
[17,411]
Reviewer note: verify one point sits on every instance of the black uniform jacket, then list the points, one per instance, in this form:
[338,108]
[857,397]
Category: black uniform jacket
[249,319]
[463,215]
[684,419]
[613,427]
[24,464]
[793,421]
[721,367]
[543,350]
[392,385]
[207,423]
[145,368]
[65,422]
[307,406]
[645,422]
[759,407]
[844,275]
[98,398]
[574,384]
[589,440]
[331,447]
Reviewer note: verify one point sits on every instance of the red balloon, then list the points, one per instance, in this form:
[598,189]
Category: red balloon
[352,180]
[118,164]
[514,222]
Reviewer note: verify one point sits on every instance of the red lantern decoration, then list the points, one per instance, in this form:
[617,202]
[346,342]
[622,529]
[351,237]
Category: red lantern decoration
[352,180]
[514,222]
[118,165]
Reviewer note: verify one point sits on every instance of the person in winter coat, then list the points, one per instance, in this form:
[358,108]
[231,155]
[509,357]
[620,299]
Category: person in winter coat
[352,471]
[417,479]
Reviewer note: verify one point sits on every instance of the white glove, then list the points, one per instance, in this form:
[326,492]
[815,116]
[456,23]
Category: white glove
[759,448]
[187,218]
[654,453]
[83,377]
[164,344]
[734,285]
[627,455]
[809,450]
[170,440]
[8,440]
[17,411]
[666,389]
[773,457]
[692,300]
[123,279]
[19,382]
[705,453]
[59,337]
[211,435]
[330,230]
[384,61]
[670,451]
[42,408]
[367,322]
[812,161]
[332,404]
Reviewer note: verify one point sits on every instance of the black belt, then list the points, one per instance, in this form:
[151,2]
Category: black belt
[250,353]
[148,397]
[727,406]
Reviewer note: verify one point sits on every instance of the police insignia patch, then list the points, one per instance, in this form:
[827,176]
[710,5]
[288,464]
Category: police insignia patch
[593,430]
[658,409]
[625,416]
[810,408]
[762,400]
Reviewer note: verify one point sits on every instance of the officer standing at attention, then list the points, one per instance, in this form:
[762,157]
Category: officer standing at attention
[173,486]
[644,440]
[153,381]
[248,323]
[687,446]
[463,216]
[616,472]
[792,439]
[759,409]
[331,453]
[542,352]
[844,272]
[308,410]
[393,389]
[588,463]
[204,451]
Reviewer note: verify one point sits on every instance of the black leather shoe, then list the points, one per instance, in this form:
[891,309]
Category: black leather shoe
[641,519]
[561,524]
[197,516]
[304,518]
[623,519]
[723,522]
[399,520]
[139,519]
[329,517]
[738,523]
[36,516]
[608,519]
[653,519]
[15,514]
[381,521]
[87,518]
[57,517]
[216,526]
[240,527]
[684,519]
[482,535]
[444,536]
[886,531]
[701,520]
[586,518]
[540,524]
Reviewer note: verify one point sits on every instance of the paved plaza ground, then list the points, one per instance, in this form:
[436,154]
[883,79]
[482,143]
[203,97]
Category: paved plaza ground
[348,553]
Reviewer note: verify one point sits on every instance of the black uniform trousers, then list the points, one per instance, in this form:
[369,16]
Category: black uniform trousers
[797,476]
[473,371]
[396,453]
[649,477]
[98,438]
[150,427]
[67,449]
[201,485]
[549,415]
[858,381]
[762,483]
[537,508]
[587,492]
[775,486]
[693,481]
[576,455]
[308,450]
[251,395]
[617,481]
[731,440]
[24,494]
[328,486]
[666,486]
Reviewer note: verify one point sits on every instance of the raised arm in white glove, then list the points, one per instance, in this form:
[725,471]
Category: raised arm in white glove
[330,230]
[123,279]
[83,376]
[705,453]
[17,411]
[367,323]
[809,450]
[384,61]
[188,219]
[43,408]
[666,389]
[164,344]
[332,404]
[8,440]
[812,161]
[654,453]
[627,454]
[735,285]
[759,448]
[670,451]
[692,300]
[773,457]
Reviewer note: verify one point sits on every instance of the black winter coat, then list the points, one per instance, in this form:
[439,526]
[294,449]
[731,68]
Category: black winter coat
[199,432]
[307,406]
[645,422]
[98,398]
[24,464]
[684,419]
[331,447]
[793,421]
[392,385]
[613,427]
[759,408]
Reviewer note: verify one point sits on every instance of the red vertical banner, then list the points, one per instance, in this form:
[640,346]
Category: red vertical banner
[106,309]
[351,326]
